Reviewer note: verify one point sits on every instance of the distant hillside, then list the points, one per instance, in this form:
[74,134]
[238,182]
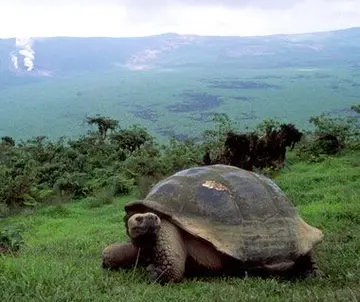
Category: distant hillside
[64,56]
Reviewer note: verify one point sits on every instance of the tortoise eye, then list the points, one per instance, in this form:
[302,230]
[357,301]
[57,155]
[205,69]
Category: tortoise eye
[139,219]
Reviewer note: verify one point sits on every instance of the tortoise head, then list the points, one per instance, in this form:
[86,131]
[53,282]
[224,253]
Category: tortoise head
[141,224]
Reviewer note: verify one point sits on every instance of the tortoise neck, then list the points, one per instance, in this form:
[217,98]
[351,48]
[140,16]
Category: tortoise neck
[144,240]
[145,243]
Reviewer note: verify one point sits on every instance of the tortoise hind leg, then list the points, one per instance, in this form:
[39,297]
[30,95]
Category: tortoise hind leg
[168,263]
[306,266]
[120,256]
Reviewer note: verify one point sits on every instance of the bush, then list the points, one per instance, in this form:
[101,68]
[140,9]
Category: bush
[178,155]
[103,198]
[74,185]
[14,190]
[214,139]
[11,239]
[4,210]
[343,128]
[144,185]
[144,161]
[331,135]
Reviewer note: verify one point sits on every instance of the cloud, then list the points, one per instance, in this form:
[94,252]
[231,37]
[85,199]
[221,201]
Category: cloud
[145,17]
[263,4]
[244,17]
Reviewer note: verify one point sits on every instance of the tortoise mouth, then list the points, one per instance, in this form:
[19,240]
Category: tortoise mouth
[152,229]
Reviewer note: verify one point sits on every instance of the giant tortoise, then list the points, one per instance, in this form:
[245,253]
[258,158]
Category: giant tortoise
[215,219]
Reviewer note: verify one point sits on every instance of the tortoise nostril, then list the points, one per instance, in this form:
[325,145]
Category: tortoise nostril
[139,219]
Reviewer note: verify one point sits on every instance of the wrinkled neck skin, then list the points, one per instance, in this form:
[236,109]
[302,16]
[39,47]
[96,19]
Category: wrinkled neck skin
[145,242]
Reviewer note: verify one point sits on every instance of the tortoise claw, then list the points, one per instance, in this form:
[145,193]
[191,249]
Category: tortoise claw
[315,273]
[156,273]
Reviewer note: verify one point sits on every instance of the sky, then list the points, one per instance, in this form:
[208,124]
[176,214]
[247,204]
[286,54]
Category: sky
[124,18]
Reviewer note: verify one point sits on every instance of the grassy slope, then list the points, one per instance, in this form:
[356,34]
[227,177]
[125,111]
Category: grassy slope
[61,261]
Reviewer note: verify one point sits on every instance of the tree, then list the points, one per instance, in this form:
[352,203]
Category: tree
[103,123]
[7,140]
[356,108]
[132,138]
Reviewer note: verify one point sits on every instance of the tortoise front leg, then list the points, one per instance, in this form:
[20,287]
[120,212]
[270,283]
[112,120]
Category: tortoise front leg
[168,263]
[305,266]
[120,256]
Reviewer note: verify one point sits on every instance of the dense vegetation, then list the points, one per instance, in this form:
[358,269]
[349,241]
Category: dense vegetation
[113,161]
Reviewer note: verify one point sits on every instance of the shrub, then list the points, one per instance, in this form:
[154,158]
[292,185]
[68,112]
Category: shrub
[11,239]
[331,135]
[178,155]
[74,185]
[214,139]
[131,139]
[343,128]
[14,190]
[102,197]
[4,210]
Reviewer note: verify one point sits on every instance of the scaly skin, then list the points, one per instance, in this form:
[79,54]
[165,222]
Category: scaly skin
[120,256]
[169,255]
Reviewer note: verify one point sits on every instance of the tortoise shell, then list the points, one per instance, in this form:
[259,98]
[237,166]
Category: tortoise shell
[241,213]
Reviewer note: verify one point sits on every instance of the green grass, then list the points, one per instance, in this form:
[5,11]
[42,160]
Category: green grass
[62,256]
